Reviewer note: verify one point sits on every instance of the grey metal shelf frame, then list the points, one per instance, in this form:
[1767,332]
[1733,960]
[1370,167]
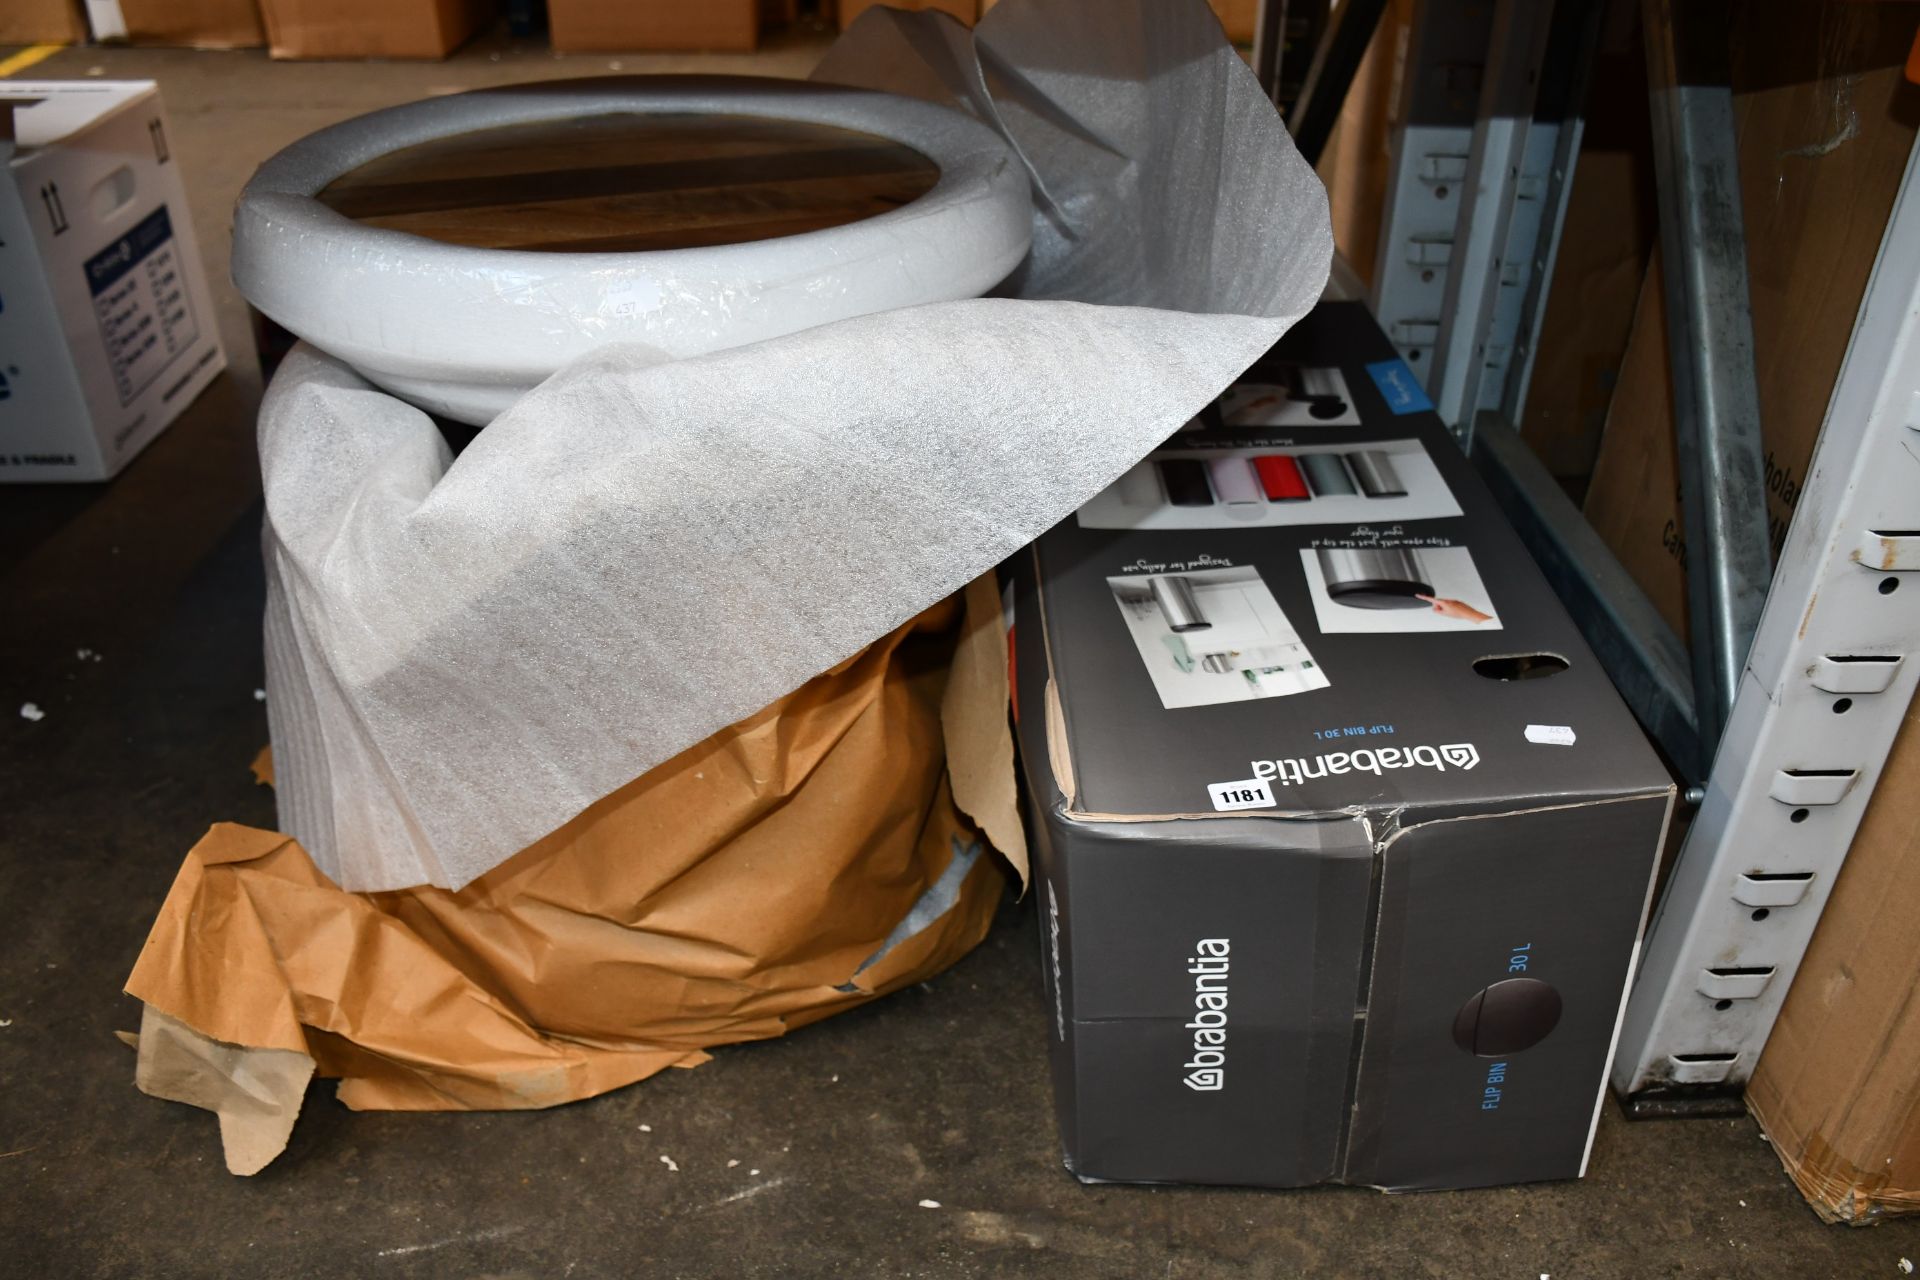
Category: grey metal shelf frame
[1780,718]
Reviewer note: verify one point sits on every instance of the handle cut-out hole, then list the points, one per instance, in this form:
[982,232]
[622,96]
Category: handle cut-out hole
[112,193]
[1798,815]
[1842,705]
[1761,913]
[1519,666]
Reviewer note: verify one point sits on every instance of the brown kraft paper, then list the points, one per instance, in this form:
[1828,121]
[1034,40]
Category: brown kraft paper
[800,862]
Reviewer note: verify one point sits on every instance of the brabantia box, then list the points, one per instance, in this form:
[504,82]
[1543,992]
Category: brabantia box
[107,331]
[1346,841]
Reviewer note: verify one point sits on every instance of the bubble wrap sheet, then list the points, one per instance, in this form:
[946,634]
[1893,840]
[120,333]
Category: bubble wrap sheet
[464,654]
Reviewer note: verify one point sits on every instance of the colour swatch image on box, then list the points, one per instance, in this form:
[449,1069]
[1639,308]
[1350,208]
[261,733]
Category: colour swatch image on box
[1213,636]
[1223,488]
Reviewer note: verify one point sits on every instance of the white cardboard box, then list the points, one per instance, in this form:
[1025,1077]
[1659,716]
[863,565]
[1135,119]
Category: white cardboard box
[107,331]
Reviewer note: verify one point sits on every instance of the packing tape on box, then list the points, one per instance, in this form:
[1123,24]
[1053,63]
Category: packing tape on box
[465,653]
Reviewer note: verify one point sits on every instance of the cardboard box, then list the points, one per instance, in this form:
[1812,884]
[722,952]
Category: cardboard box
[1358,158]
[1329,893]
[372,28]
[1826,122]
[107,326]
[1835,1088]
[1604,249]
[581,26]
[1236,16]
[967,11]
[194,24]
[1610,228]
[42,22]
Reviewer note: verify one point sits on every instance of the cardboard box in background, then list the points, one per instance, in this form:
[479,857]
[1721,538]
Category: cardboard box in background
[1826,120]
[108,329]
[1341,870]
[42,22]
[1835,1089]
[1609,232]
[967,11]
[1634,490]
[1358,158]
[582,26]
[372,28]
[1611,226]
[1237,16]
[194,24]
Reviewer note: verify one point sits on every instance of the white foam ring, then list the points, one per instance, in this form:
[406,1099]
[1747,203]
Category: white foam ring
[464,331]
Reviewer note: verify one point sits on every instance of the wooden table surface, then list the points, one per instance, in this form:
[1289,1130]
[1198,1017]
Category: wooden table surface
[626,182]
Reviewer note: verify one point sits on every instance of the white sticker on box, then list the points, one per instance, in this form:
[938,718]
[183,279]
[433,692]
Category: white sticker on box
[1552,735]
[1254,793]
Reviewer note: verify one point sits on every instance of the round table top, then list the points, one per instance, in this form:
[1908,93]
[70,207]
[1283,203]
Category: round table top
[630,182]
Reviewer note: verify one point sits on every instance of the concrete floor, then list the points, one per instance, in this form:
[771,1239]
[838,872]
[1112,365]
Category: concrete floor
[937,1094]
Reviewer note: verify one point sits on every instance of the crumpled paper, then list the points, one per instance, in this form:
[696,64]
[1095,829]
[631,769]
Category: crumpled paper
[829,849]
[463,654]
[255,1092]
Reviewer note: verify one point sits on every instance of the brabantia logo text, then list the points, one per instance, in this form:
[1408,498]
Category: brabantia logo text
[1207,1069]
[1375,760]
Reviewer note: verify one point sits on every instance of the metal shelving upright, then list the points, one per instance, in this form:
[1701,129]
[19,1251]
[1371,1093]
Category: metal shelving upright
[1780,719]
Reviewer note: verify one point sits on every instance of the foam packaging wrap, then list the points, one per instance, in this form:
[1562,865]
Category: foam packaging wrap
[465,654]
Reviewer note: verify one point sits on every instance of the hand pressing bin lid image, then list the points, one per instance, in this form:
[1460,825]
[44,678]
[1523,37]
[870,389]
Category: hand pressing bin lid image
[1374,578]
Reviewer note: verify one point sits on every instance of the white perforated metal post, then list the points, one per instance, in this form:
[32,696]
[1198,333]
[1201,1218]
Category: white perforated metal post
[1825,687]
[1431,137]
[1470,348]
[1477,200]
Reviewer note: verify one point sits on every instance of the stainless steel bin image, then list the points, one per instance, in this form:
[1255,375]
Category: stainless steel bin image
[1178,605]
[1374,578]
